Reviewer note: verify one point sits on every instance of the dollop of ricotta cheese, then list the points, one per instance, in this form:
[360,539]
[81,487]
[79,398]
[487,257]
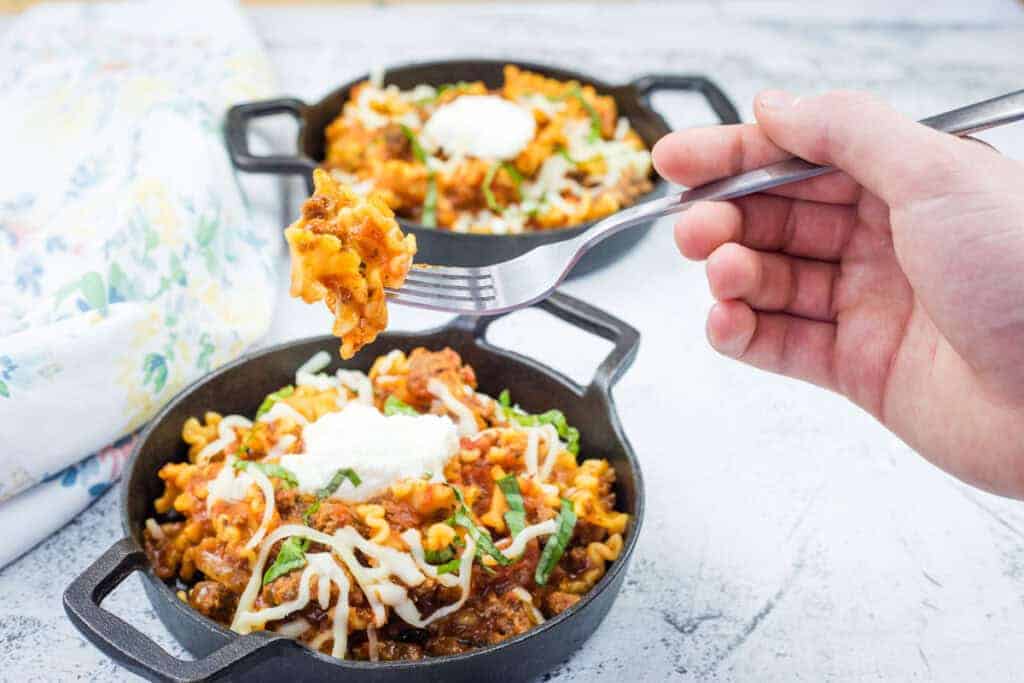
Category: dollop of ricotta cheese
[482,126]
[380,449]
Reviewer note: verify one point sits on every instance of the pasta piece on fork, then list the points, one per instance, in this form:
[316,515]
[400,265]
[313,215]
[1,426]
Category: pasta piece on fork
[345,250]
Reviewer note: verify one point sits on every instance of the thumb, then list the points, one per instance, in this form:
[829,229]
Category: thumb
[897,159]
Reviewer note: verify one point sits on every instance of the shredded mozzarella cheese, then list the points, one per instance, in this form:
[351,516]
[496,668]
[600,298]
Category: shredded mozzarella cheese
[374,581]
[281,409]
[466,419]
[518,544]
[269,504]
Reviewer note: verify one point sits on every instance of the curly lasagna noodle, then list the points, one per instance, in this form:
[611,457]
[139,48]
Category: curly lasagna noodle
[535,154]
[396,515]
[345,250]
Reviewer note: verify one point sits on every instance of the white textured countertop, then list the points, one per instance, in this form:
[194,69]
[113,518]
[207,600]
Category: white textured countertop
[788,536]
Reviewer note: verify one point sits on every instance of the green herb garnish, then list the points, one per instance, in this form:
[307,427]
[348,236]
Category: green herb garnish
[492,172]
[438,556]
[492,203]
[482,537]
[557,543]
[271,469]
[516,515]
[445,87]
[396,406]
[429,218]
[273,398]
[555,418]
[565,153]
[290,557]
[417,149]
[515,175]
[449,567]
[336,481]
[595,118]
[333,485]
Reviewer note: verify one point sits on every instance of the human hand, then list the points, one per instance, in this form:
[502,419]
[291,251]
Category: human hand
[898,283]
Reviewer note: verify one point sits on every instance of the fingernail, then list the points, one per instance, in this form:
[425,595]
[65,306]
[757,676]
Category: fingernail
[775,99]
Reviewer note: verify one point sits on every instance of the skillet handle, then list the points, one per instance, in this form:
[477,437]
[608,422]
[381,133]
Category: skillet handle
[133,649]
[236,134]
[719,102]
[624,337]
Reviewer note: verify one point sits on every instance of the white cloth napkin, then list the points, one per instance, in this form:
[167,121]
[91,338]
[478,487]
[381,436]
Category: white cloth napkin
[132,259]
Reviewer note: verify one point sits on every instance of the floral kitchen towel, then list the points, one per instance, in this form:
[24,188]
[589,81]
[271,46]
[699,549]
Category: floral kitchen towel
[132,259]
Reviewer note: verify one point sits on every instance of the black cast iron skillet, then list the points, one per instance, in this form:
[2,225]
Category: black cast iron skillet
[446,248]
[239,388]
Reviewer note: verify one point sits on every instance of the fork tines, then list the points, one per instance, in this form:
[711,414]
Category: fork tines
[446,288]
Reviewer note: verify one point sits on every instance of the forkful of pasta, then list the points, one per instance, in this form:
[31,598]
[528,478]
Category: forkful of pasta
[520,282]
[351,252]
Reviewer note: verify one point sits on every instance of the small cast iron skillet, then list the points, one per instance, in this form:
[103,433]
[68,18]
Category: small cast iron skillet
[442,247]
[239,388]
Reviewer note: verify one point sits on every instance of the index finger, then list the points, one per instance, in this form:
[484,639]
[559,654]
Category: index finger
[699,155]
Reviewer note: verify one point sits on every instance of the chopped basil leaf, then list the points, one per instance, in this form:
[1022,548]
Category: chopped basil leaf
[429,218]
[517,177]
[555,418]
[505,399]
[445,87]
[516,515]
[565,153]
[482,537]
[595,118]
[492,203]
[556,544]
[273,398]
[270,469]
[449,567]
[417,149]
[311,510]
[396,406]
[290,557]
[336,481]
[438,556]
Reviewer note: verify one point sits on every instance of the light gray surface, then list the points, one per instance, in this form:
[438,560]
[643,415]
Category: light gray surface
[788,535]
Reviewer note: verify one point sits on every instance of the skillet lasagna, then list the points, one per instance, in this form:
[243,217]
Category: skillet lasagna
[396,515]
[534,154]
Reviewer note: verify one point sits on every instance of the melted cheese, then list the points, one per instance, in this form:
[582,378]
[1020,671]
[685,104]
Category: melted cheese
[232,485]
[374,581]
[309,375]
[413,539]
[524,595]
[225,436]
[359,383]
[483,126]
[281,409]
[541,471]
[294,628]
[269,504]
[518,544]
[467,421]
[381,449]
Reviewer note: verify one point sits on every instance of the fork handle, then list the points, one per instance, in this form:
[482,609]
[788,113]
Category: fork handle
[975,117]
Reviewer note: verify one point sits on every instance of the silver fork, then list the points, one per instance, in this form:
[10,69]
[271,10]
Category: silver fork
[526,279]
